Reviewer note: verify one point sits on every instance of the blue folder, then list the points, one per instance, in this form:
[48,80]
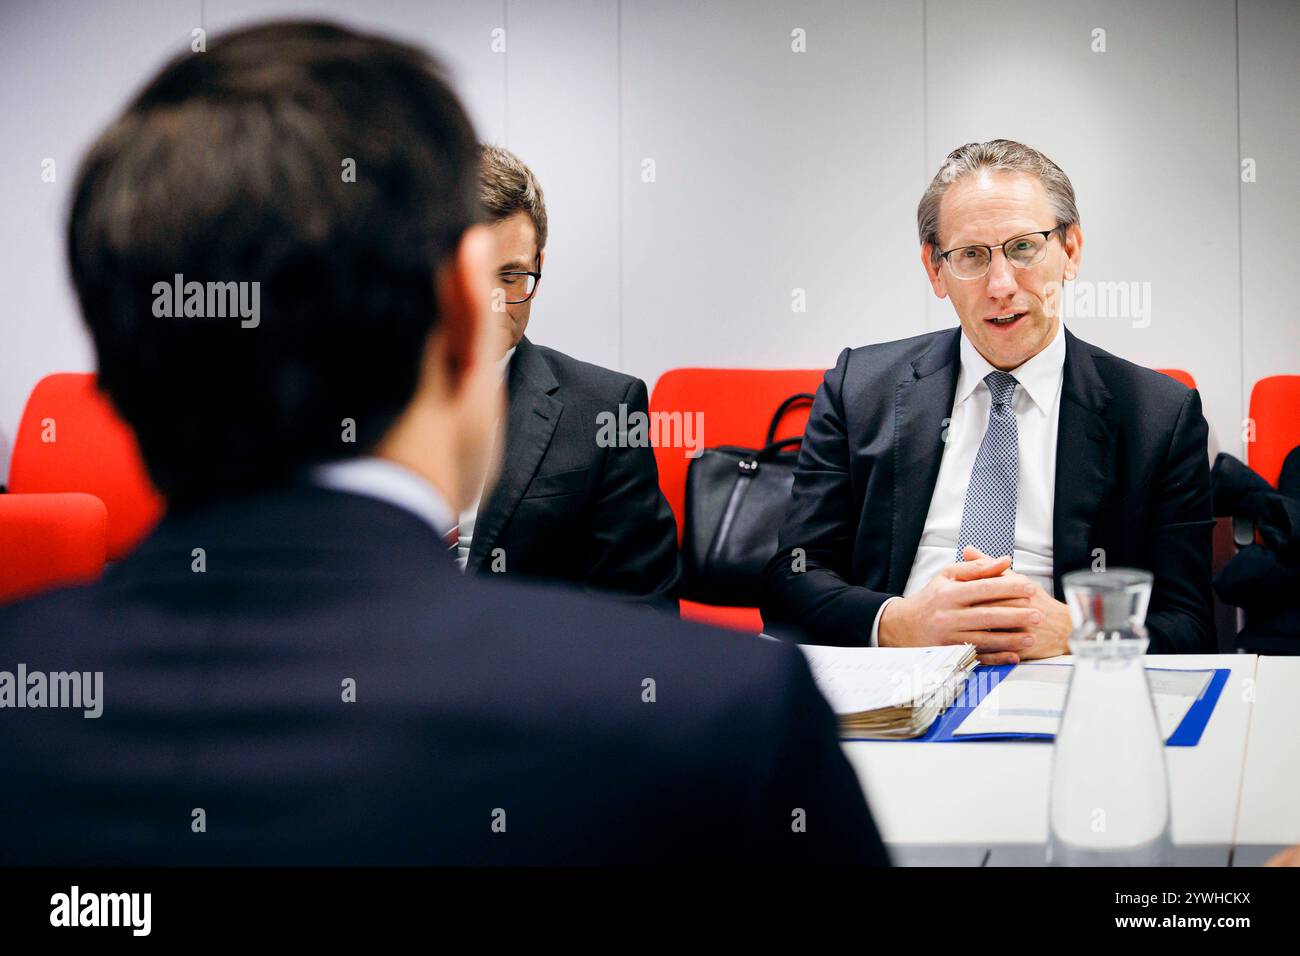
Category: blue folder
[1187,734]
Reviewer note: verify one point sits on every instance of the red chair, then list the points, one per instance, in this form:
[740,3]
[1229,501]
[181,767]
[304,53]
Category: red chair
[737,406]
[1180,375]
[71,439]
[50,541]
[1275,410]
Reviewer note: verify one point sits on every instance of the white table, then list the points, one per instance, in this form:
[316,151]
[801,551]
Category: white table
[1270,790]
[982,794]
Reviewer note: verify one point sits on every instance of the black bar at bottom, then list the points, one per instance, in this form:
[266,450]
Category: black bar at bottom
[533,906]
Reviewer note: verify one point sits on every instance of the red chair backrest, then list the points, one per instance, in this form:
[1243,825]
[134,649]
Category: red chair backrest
[1180,375]
[746,619]
[71,439]
[737,405]
[50,540]
[1275,410]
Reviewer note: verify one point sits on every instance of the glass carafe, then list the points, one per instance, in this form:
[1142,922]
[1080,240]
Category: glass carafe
[1109,802]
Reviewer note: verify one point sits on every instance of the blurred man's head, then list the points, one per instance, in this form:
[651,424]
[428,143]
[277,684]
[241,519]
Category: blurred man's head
[516,208]
[999,236]
[330,177]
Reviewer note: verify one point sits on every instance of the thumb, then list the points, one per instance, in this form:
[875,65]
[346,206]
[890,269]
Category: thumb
[972,553]
[982,567]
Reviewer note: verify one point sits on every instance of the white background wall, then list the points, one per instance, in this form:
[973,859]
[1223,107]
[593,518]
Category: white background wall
[775,170]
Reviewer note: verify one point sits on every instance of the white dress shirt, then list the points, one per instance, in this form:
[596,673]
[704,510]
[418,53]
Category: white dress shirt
[469,517]
[387,481]
[1037,406]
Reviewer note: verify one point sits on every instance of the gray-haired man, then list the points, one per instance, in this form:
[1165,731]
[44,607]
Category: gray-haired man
[947,481]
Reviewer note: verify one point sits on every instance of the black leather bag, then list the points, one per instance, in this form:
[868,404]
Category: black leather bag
[735,502]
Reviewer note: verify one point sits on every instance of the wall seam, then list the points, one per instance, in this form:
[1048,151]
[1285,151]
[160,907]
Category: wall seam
[1242,401]
[925,135]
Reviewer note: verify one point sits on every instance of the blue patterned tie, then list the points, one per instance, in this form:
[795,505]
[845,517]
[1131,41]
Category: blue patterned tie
[989,519]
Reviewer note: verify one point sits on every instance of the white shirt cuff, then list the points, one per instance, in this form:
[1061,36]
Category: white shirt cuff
[875,625]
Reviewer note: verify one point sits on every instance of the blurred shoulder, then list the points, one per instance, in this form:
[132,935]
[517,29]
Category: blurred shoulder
[51,619]
[603,652]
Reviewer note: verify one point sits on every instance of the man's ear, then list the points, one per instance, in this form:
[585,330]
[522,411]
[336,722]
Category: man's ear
[934,272]
[463,290]
[1072,242]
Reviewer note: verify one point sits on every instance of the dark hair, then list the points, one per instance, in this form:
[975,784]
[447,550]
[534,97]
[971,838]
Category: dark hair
[508,186]
[232,166]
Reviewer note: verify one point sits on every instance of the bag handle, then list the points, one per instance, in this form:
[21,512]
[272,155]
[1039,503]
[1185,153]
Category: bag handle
[772,449]
[782,409]
[750,465]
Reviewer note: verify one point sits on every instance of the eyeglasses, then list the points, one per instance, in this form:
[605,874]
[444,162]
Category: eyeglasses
[518,286]
[972,262]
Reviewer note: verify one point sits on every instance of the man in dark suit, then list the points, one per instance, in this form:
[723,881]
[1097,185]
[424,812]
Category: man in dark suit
[567,506]
[292,668]
[946,482]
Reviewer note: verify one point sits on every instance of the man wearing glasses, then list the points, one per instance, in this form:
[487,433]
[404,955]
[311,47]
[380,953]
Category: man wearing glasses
[564,507]
[947,481]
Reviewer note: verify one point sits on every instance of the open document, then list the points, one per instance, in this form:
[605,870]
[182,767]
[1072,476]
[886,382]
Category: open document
[889,692]
[1031,698]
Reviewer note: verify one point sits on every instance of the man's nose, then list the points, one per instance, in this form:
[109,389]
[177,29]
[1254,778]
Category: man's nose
[1001,277]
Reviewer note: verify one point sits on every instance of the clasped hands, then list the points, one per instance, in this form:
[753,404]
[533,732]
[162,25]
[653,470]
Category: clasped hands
[980,601]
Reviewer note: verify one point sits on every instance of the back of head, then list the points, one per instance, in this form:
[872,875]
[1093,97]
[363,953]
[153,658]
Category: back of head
[254,245]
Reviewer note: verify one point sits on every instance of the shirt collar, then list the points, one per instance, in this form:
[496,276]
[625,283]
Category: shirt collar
[1040,377]
[503,363]
[390,482]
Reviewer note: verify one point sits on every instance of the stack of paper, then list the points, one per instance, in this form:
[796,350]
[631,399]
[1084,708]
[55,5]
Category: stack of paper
[889,692]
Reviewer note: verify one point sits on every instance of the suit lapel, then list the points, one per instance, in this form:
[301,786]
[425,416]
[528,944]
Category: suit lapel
[531,417]
[922,402]
[1085,445]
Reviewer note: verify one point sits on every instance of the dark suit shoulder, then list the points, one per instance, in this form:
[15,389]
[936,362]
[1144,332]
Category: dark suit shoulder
[602,651]
[897,359]
[54,611]
[545,660]
[903,350]
[863,378]
[595,381]
[1137,385]
[340,641]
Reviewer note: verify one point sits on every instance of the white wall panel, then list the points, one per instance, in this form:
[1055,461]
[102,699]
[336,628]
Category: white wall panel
[774,171]
[562,93]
